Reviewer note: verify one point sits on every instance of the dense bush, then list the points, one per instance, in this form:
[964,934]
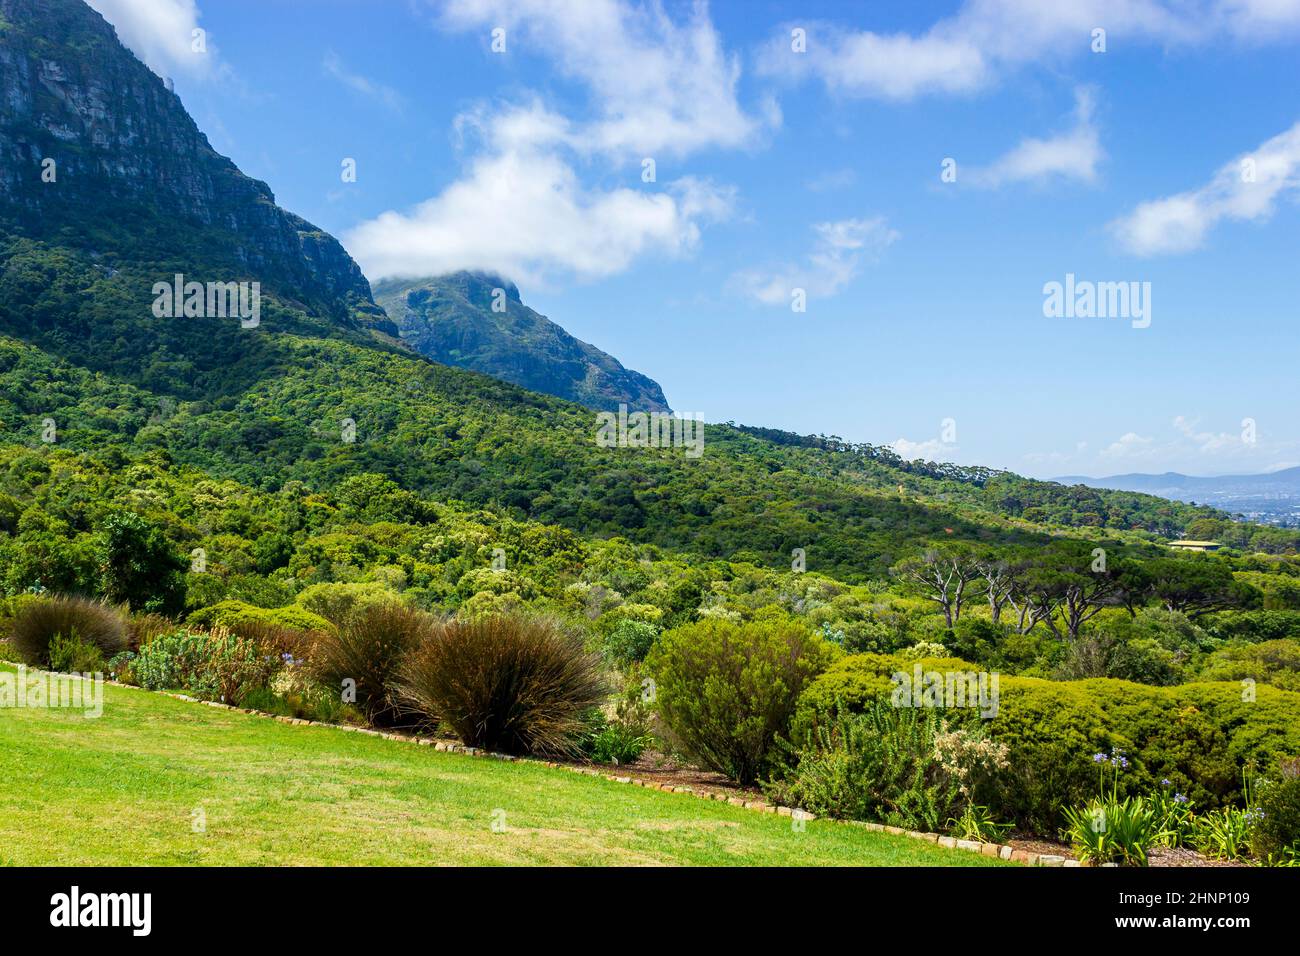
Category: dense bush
[38,622]
[510,684]
[629,641]
[234,613]
[211,666]
[725,691]
[140,567]
[1199,736]
[72,655]
[899,765]
[362,657]
[1278,799]
[1268,662]
[336,602]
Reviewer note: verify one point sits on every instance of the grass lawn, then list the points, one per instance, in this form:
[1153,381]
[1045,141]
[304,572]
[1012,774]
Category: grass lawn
[125,789]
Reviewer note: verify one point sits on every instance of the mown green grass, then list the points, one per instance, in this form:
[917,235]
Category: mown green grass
[125,789]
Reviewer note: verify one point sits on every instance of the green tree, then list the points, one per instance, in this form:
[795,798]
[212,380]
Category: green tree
[138,565]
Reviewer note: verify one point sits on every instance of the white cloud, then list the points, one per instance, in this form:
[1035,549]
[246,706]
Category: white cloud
[1245,189]
[160,33]
[931,450]
[386,95]
[658,87]
[1186,446]
[837,256]
[1073,154]
[521,210]
[985,39]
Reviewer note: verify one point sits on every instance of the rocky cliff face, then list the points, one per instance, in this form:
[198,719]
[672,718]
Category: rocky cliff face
[91,138]
[451,319]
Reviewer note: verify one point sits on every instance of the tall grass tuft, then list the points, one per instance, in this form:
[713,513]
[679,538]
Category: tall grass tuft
[363,656]
[90,622]
[507,683]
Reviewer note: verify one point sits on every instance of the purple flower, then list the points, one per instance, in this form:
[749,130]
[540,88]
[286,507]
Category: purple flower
[1166,782]
[1100,758]
[1179,798]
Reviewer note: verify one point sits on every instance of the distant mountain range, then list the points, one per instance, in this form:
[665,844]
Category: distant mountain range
[1264,496]
[478,321]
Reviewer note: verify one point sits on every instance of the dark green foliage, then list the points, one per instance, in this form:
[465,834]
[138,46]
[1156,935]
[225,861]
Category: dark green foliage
[880,765]
[1277,828]
[1200,736]
[139,566]
[75,619]
[514,685]
[628,642]
[726,691]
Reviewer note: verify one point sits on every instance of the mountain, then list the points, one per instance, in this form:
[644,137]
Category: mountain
[1271,497]
[452,319]
[323,401]
[86,125]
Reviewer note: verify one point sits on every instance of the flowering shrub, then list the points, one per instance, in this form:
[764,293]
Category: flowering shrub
[1277,832]
[1111,829]
[1224,834]
[211,666]
[1198,736]
[899,765]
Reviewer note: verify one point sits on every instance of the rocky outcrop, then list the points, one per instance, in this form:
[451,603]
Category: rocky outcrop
[95,148]
[451,319]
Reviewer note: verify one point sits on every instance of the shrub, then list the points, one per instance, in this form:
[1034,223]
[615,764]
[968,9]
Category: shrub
[139,567]
[1198,736]
[1224,834]
[726,691]
[277,641]
[122,667]
[70,654]
[510,684]
[234,613]
[171,661]
[1269,662]
[1278,827]
[629,641]
[898,765]
[215,666]
[337,601]
[38,622]
[364,656]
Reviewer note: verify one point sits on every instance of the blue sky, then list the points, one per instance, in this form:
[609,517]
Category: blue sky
[777,170]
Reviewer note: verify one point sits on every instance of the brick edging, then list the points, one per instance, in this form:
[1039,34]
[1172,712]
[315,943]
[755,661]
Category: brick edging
[995,850]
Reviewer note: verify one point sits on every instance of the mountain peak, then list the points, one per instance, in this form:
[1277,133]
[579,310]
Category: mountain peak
[477,320]
[84,125]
